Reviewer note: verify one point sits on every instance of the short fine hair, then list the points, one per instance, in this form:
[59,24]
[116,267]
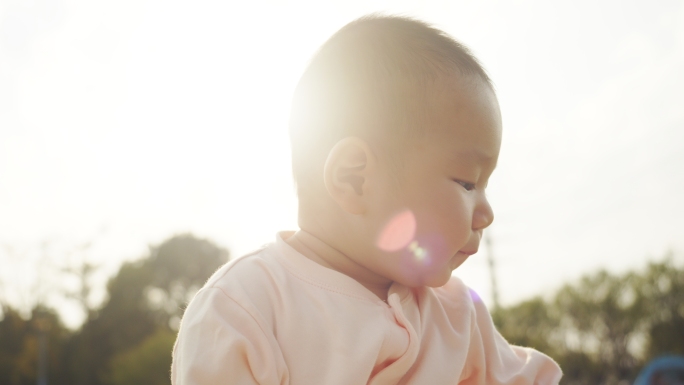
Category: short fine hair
[371,80]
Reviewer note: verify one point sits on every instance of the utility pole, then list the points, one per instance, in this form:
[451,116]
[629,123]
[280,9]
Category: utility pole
[492,272]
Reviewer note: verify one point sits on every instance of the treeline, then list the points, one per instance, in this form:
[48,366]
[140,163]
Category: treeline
[126,341]
[605,328]
[602,329]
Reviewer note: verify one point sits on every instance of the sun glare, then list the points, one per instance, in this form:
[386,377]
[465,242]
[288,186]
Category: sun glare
[398,232]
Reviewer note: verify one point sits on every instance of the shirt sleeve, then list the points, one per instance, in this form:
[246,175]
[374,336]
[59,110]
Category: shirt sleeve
[494,361]
[220,341]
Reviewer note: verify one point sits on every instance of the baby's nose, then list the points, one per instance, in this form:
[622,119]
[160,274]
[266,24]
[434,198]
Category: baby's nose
[483,215]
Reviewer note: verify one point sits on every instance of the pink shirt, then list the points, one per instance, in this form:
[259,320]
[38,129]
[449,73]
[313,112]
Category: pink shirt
[276,317]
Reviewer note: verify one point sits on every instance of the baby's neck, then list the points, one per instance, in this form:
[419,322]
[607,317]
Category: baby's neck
[326,255]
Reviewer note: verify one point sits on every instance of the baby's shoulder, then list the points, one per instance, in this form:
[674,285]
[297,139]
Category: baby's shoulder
[252,277]
[253,283]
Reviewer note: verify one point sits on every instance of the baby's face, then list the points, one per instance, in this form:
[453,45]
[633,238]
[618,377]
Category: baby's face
[433,221]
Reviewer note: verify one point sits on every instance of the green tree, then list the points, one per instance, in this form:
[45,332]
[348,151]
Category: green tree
[148,363]
[662,291]
[604,328]
[604,315]
[530,323]
[145,296]
[20,344]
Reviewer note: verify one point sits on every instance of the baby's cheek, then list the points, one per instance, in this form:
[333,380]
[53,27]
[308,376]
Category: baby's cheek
[426,260]
[428,249]
[452,224]
[460,228]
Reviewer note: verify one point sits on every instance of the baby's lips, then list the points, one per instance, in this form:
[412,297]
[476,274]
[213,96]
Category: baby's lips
[468,252]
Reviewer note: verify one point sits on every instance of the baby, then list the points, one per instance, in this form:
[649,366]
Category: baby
[395,131]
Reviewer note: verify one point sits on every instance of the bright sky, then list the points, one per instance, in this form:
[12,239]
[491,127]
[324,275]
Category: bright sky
[127,122]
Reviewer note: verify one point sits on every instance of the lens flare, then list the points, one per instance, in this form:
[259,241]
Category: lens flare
[419,252]
[398,232]
[474,296]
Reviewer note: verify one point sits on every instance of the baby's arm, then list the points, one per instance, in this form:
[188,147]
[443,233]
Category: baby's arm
[221,342]
[492,360]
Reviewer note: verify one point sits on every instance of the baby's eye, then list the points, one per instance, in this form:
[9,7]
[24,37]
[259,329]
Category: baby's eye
[466,185]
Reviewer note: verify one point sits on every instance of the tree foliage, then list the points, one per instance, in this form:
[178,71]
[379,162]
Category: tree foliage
[19,346]
[144,297]
[134,325]
[604,328]
[148,363]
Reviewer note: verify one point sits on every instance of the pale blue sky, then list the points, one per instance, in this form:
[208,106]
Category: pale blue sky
[129,121]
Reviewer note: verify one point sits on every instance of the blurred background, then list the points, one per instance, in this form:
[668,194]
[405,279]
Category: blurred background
[144,142]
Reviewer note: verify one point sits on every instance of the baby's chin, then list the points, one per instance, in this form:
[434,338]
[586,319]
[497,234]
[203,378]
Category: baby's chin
[457,260]
[440,277]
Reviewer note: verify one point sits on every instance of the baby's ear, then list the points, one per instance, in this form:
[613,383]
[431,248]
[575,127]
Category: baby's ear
[346,171]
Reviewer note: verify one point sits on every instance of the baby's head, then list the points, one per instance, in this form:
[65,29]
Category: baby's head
[395,130]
